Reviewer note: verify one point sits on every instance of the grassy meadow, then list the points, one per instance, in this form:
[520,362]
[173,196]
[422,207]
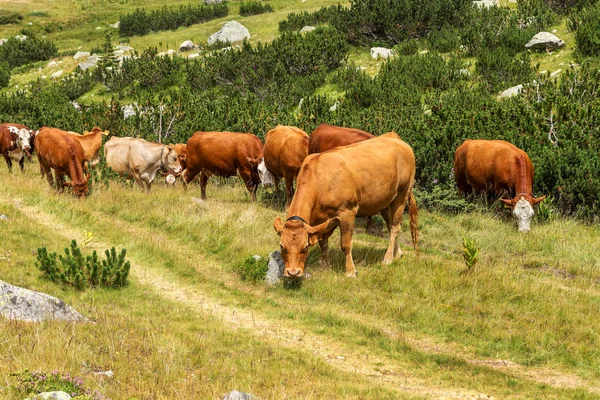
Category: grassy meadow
[522,324]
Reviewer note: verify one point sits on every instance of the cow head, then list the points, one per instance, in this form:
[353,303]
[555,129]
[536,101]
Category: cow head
[295,238]
[80,188]
[522,208]
[95,130]
[169,160]
[23,139]
[266,177]
[181,150]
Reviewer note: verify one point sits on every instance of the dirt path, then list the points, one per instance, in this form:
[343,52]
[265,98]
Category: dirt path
[337,354]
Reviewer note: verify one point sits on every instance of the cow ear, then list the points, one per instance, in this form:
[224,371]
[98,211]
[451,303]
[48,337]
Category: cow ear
[313,239]
[537,200]
[507,202]
[253,161]
[325,227]
[278,225]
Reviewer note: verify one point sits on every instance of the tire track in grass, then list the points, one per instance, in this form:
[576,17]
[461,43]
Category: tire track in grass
[336,354]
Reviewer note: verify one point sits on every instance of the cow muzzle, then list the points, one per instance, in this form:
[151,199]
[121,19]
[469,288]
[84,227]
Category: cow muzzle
[293,273]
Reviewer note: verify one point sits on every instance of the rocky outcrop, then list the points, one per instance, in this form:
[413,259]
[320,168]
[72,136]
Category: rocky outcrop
[543,41]
[231,32]
[92,61]
[26,305]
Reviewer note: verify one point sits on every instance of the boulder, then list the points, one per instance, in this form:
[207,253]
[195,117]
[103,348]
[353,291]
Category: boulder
[26,305]
[186,46]
[276,268]
[212,2]
[377,52]
[307,28]
[57,74]
[510,92]
[237,395]
[485,3]
[92,61]
[128,111]
[543,41]
[231,32]
[59,395]
[81,54]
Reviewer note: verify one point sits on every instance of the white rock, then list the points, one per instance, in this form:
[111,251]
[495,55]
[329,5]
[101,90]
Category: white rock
[424,52]
[3,217]
[128,111]
[195,55]
[21,37]
[237,395]
[116,25]
[57,74]
[2,41]
[377,52]
[276,268]
[92,61]
[59,395]
[307,28]
[26,305]
[510,92]
[231,32]
[118,53]
[186,46]
[543,41]
[81,54]
[124,47]
[98,28]
[558,71]
[334,106]
[171,52]
[485,3]
[211,2]
[52,64]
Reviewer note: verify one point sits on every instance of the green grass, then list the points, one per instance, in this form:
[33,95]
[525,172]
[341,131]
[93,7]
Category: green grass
[532,299]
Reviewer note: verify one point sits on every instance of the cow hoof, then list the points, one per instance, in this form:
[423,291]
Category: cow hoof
[351,274]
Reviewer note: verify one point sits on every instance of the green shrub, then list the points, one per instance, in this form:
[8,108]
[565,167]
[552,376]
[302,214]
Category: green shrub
[536,13]
[19,52]
[4,74]
[254,8]
[443,198]
[407,48]
[9,17]
[73,269]
[297,21]
[498,70]
[586,26]
[29,384]
[253,269]
[141,22]
[546,211]
[444,40]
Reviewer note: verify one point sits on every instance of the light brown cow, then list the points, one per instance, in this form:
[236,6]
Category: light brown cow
[326,137]
[181,150]
[224,154]
[497,168]
[360,180]
[15,144]
[91,143]
[58,150]
[285,149]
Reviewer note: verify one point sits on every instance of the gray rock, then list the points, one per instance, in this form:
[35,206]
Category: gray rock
[186,46]
[543,41]
[485,3]
[26,305]
[307,28]
[59,395]
[124,47]
[52,64]
[237,395]
[211,2]
[116,25]
[108,373]
[276,268]
[377,52]
[81,54]
[3,217]
[195,55]
[21,37]
[128,111]
[231,32]
[510,92]
[2,41]
[57,74]
[334,106]
[118,53]
[92,61]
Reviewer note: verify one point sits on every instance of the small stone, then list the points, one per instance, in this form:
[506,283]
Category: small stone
[170,179]
[81,54]
[237,395]
[2,41]
[307,28]
[98,28]
[558,71]
[128,111]
[424,52]
[543,41]
[57,74]
[108,373]
[485,3]
[21,37]
[195,55]
[257,257]
[186,46]
[52,64]
[116,25]
[276,268]
[3,217]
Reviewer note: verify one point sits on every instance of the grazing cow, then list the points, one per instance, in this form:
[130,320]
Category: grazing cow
[224,154]
[140,160]
[15,144]
[360,180]
[91,143]
[497,168]
[181,150]
[326,137]
[58,150]
[286,147]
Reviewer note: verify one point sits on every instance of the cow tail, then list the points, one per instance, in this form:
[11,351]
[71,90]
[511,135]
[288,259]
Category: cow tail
[414,221]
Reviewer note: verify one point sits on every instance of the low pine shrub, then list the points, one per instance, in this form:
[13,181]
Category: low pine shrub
[73,269]
[498,70]
[9,17]
[586,25]
[254,8]
[297,21]
[18,52]
[4,74]
[444,40]
[253,269]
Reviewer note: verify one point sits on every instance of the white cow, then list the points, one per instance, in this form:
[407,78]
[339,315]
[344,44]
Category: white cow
[15,143]
[140,160]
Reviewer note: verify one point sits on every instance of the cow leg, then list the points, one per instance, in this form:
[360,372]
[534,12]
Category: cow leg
[8,162]
[203,182]
[289,190]
[370,227]
[396,210]
[324,245]
[45,170]
[346,230]
[250,185]
[21,165]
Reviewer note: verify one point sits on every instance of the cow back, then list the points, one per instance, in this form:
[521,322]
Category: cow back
[327,137]
[285,149]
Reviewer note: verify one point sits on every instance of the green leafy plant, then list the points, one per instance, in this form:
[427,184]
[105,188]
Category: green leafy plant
[73,269]
[470,252]
[253,269]
[4,74]
[31,383]
[545,210]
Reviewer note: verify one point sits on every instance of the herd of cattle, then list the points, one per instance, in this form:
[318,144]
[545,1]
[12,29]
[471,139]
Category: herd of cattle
[340,174]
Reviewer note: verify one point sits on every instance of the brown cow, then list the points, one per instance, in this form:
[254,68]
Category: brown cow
[497,168]
[15,144]
[91,143]
[326,137]
[181,150]
[224,154]
[286,147]
[360,180]
[58,150]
